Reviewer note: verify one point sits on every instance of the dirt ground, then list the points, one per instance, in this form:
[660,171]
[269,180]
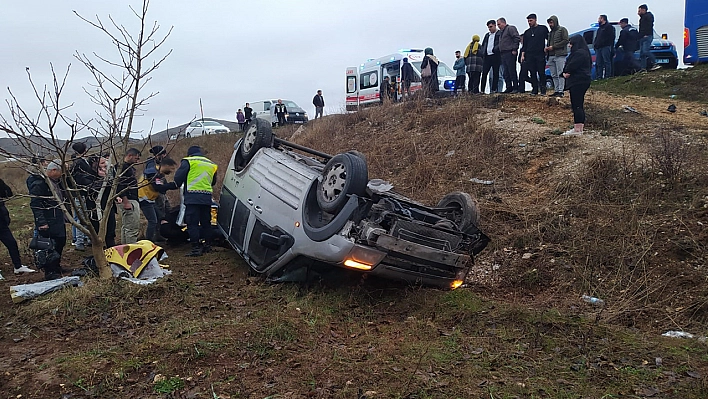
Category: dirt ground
[562,223]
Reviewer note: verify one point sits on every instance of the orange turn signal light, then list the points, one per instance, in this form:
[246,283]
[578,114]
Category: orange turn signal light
[356,265]
[456,284]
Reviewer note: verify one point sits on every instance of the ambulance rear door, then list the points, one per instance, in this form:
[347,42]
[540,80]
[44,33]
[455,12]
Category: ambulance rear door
[352,99]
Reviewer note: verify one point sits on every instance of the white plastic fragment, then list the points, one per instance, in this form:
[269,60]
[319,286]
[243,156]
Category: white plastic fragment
[23,292]
[480,181]
[677,334]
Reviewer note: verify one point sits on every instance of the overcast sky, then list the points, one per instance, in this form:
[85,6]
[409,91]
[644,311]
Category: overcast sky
[227,52]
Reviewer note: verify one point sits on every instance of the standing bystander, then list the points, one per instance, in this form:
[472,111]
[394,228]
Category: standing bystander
[460,73]
[492,56]
[557,51]
[646,35]
[509,47]
[475,63]
[6,236]
[533,54]
[603,45]
[577,81]
[318,102]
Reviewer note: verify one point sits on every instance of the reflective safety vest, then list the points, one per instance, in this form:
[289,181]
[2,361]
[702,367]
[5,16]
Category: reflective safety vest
[201,174]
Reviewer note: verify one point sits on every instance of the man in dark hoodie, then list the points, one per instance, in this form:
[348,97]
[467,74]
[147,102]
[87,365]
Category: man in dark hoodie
[603,45]
[557,51]
[49,218]
[646,36]
[197,174]
[6,236]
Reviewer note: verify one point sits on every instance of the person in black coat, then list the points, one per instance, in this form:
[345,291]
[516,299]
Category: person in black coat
[430,83]
[318,102]
[49,220]
[407,76]
[603,45]
[577,76]
[6,236]
[491,55]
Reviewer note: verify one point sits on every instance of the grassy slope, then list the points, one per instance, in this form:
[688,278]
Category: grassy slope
[600,221]
[684,84]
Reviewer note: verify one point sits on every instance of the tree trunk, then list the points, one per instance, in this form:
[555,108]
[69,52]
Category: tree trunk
[99,256]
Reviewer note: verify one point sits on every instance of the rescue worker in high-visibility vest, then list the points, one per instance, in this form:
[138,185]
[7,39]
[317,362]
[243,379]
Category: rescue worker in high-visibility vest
[197,176]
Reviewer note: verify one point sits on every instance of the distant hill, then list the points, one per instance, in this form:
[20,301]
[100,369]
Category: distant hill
[12,146]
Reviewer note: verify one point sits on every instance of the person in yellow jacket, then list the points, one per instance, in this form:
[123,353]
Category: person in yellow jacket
[197,176]
[152,187]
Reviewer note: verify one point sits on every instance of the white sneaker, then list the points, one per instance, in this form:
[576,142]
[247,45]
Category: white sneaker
[572,132]
[24,269]
[655,67]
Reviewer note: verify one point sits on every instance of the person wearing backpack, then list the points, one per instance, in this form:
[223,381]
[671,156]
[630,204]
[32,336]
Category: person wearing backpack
[429,73]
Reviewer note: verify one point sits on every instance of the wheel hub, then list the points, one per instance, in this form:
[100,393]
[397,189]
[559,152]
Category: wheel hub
[249,138]
[334,182]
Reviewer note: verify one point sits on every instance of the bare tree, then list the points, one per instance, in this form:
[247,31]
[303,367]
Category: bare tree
[117,90]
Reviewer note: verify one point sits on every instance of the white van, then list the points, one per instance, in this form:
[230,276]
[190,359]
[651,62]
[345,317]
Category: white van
[363,81]
[265,109]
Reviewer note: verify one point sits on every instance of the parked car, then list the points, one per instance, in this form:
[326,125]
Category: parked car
[265,109]
[200,128]
[663,49]
[286,208]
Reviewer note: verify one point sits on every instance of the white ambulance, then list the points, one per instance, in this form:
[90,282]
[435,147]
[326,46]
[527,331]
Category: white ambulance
[363,81]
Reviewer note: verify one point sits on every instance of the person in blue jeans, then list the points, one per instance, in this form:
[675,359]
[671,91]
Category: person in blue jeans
[646,36]
[603,44]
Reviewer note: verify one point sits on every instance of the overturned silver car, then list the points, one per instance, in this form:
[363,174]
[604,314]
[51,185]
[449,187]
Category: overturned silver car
[285,207]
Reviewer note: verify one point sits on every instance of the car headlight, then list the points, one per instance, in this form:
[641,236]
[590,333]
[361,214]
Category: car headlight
[305,114]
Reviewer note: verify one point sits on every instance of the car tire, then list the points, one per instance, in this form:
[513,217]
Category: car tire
[343,175]
[258,134]
[188,135]
[465,213]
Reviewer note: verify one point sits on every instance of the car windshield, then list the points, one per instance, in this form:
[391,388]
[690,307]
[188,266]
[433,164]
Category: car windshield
[443,70]
[289,104]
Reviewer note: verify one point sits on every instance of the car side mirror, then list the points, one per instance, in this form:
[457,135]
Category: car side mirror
[274,242]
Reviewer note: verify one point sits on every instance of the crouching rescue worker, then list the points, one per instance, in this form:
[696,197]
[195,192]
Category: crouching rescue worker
[49,218]
[197,176]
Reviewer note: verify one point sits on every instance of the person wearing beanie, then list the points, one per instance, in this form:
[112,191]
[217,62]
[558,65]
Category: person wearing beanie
[48,215]
[197,177]
[152,187]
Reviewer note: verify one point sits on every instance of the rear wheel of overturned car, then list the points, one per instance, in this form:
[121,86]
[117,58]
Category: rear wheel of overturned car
[344,174]
[461,209]
[258,134]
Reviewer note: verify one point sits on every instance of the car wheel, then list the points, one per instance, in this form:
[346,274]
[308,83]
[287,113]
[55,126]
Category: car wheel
[258,134]
[344,174]
[188,135]
[463,209]
[549,82]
